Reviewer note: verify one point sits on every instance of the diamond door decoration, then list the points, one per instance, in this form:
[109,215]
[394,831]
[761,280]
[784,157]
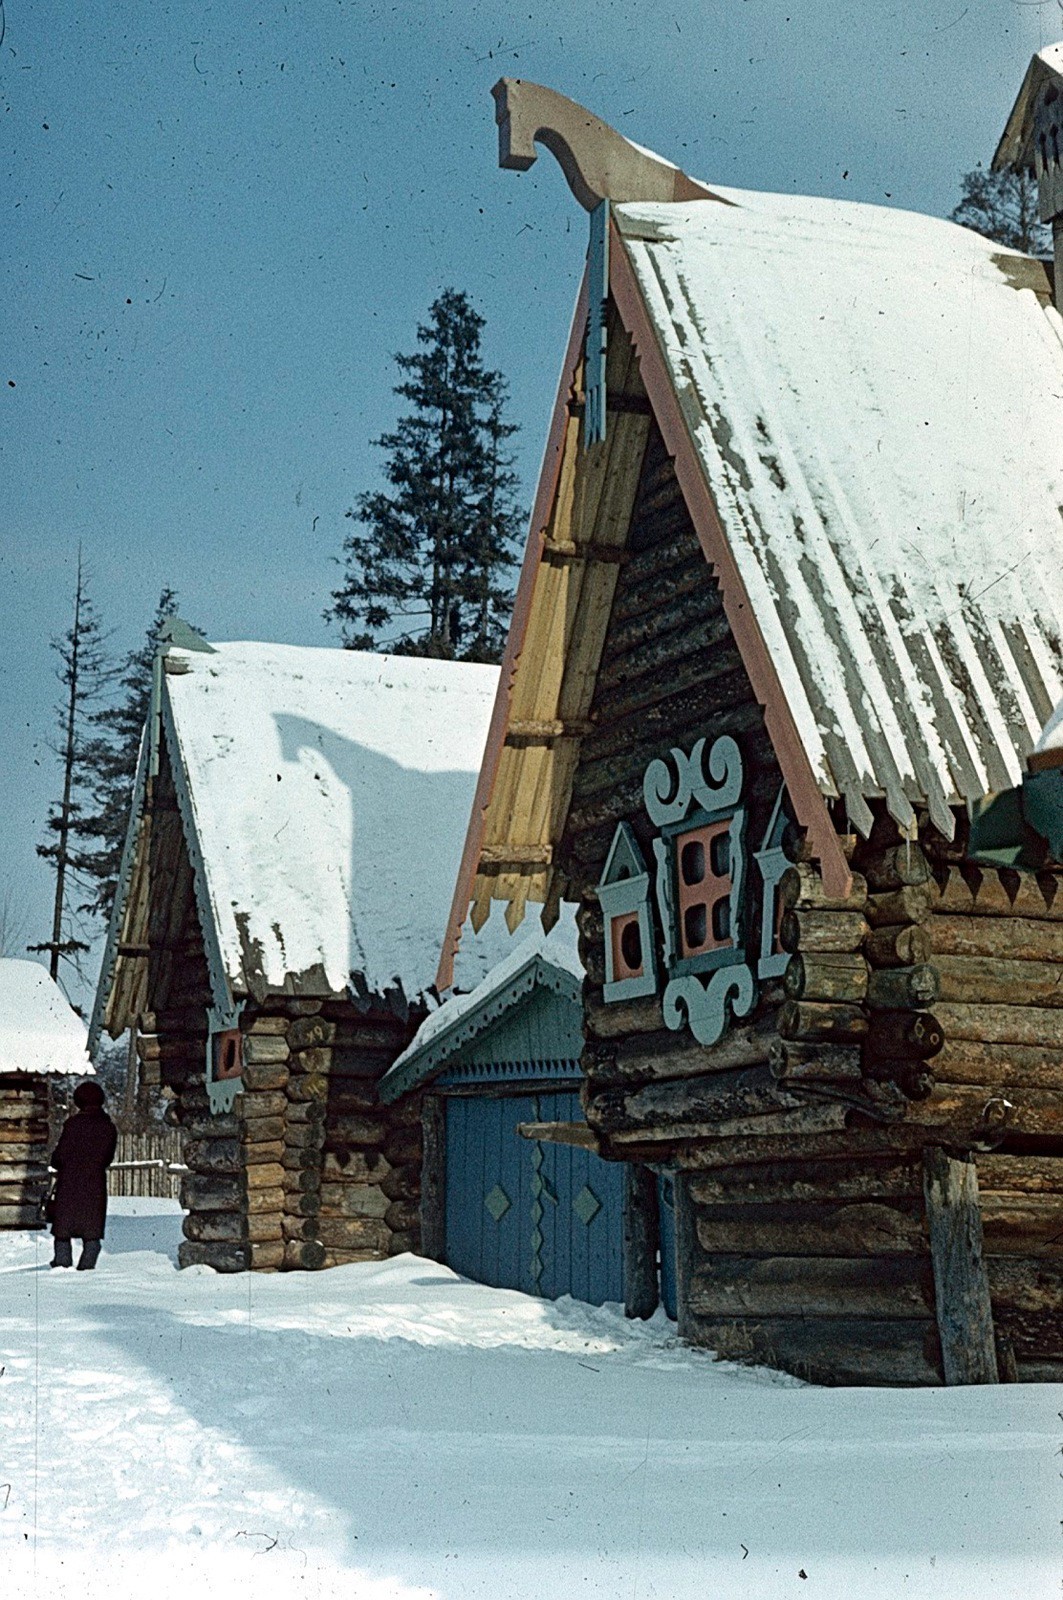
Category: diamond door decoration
[497,1202]
[586,1205]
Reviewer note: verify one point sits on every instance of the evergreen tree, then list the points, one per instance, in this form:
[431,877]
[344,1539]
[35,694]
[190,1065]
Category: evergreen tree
[84,674]
[1003,206]
[111,757]
[426,569]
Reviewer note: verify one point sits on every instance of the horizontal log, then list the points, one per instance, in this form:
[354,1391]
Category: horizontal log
[1027,1283]
[274,1075]
[267,1256]
[308,1086]
[917,1035]
[914,1078]
[222,1257]
[803,1286]
[1022,1224]
[833,1024]
[353,1200]
[913,904]
[260,1200]
[403,1145]
[1020,1174]
[364,1131]
[977,1111]
[1009,1065]
[829,976]
[19,1216]
[868,1228]
[24,1109]
[229,1227]
[264,1175]
[632,1144]
[355,1233]
[301,1114]
[715,1096]
[898,988]
[262,1025]
[822,930]
[299,1227]
[261,1130]
[213,1155]
[621,1018]
[801,888]
[898,946]
[301,1203]
[305,1180]
[899,866]
[1012,938]
[1031,1334]
[23,1132]
[214,1193]
[22,1150]
[794,1062]
[643,1057]
[830,1350]
[307,1255]
[261,1103]
[268,1150]
[837,1179]
[265,1228]
[403,1216]
[990,980]
[1002,1024]
[844,1140]
[265,1049]
[402,1183]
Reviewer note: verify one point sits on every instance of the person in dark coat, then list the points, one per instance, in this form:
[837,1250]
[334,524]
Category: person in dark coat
[81,1157]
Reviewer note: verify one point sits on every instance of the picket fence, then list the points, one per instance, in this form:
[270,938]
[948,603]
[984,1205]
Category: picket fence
[147,1163]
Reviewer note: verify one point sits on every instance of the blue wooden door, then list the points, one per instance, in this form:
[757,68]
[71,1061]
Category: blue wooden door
[543,1218]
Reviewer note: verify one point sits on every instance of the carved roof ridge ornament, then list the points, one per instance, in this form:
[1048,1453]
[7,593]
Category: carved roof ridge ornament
[598,162]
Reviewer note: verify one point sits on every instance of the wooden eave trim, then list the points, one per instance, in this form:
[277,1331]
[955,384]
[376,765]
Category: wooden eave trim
[805,794]
[112,954]
[545,496]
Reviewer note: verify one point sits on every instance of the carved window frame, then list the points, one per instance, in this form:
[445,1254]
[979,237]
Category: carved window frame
[624,891]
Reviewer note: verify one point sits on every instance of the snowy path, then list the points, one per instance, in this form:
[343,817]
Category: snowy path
[392,1433]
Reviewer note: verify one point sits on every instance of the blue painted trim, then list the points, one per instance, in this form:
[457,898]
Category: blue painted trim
[420,1064]
[598,295]
[511,1072]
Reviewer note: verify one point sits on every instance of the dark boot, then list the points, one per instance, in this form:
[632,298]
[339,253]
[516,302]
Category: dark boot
[90,1254]
[63,1254]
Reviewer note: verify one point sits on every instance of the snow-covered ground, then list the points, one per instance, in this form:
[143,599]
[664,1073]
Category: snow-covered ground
[392,1432]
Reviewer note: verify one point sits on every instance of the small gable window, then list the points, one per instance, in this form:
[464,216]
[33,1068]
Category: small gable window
[624,895]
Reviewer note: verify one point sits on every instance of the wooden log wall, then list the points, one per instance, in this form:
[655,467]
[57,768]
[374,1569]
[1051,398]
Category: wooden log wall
[924,1010]
[307,1170]
[23,1148]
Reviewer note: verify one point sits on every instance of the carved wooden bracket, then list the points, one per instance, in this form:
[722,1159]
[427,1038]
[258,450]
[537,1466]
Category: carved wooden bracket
[599,163]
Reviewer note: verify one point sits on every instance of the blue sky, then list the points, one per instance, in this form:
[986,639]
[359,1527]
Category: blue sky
[221,220]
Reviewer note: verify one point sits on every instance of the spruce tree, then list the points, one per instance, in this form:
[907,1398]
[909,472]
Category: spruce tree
[1003,206]
[111,757]
[428,564]
[84,674]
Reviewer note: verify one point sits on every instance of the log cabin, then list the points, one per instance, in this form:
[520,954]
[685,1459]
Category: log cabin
[293,843]
[790,615]
[41,1038]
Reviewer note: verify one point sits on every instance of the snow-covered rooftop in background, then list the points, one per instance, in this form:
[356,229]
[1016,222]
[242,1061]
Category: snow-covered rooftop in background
[39,1030]
[879,413]
[330,791]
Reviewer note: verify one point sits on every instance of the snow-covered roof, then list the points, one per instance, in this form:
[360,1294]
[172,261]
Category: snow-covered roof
[39,1030]
[536,961]
[324,796]
[877,407]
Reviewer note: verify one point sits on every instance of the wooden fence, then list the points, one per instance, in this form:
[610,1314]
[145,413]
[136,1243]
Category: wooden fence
[148,1163]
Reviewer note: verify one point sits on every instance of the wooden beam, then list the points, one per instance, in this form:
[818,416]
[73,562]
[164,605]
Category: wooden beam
[961,1287]
[641,1240]
[516,855]
[434,1178]
[570,1133]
